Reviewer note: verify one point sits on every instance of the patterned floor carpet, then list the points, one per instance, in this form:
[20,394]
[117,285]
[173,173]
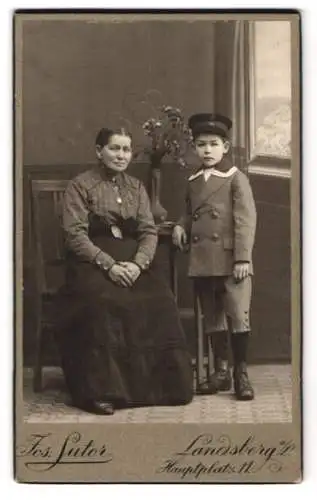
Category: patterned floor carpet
[273,403]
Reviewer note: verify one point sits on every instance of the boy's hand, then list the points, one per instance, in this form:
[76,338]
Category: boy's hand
[179,237]
[240,270]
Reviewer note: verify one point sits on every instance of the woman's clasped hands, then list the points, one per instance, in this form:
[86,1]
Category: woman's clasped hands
[124,273]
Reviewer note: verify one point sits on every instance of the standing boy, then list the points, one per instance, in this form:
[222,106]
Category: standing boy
[219,226]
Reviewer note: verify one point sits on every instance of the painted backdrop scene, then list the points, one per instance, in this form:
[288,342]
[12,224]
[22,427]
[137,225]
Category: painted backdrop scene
[80,75]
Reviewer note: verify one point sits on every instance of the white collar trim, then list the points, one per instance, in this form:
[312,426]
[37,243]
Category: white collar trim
[214,172]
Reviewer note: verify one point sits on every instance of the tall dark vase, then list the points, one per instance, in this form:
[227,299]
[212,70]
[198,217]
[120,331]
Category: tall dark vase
[159,212]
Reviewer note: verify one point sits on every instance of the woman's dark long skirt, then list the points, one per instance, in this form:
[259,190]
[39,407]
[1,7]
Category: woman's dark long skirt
[124,345]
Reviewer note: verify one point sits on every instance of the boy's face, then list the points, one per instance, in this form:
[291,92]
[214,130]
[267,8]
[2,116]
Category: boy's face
[210,149]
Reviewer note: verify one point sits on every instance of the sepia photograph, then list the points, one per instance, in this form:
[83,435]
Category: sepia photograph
[157,198]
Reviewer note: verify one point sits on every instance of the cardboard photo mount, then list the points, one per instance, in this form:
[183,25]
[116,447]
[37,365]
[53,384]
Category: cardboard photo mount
[81,452]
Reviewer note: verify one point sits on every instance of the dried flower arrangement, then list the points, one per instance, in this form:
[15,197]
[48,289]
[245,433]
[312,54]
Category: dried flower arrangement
[169,136]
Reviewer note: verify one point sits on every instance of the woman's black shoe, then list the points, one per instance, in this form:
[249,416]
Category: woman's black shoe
[97,407]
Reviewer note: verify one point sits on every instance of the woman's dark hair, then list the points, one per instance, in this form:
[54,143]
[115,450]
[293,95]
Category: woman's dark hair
[104,135]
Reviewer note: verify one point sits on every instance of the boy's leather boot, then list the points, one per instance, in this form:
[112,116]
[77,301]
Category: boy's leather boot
[242,385]
[220,379]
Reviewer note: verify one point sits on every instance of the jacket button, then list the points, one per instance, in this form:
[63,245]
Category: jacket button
[195,216]
[195,239]
[214,214]
[215,237]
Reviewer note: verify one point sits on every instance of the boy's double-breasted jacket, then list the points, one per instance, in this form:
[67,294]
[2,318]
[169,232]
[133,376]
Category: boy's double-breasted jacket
[220,221]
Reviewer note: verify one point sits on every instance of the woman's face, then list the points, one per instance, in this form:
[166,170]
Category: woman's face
[117,154]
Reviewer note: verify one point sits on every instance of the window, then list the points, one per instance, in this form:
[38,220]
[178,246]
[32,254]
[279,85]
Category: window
[270,92]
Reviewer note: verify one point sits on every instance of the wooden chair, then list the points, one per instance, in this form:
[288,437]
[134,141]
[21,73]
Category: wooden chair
[45,294]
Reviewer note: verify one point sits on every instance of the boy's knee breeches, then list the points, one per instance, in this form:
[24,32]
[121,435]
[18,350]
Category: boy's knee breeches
[225,303]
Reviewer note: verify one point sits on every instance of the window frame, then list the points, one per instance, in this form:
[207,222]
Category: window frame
[258,164]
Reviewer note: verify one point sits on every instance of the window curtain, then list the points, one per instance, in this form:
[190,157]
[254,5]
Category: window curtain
[239,103]
[231,70]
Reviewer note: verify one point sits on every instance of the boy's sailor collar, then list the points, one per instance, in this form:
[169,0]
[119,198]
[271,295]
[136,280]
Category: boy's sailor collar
[215,172]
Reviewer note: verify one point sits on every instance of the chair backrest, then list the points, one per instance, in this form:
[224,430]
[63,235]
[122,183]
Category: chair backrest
[46,210]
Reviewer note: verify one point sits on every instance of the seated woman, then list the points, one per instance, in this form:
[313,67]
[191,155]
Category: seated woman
[120,337]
